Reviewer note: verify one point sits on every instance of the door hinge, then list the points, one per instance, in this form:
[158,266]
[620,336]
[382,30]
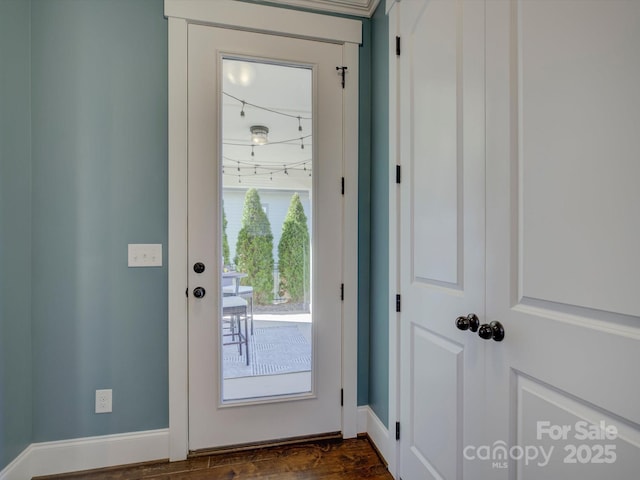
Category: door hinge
[397,46]
[342,291]
[397,430]
[343,72]
[186,292]
[398,303]
[342,188]
[397,173]
[342,397]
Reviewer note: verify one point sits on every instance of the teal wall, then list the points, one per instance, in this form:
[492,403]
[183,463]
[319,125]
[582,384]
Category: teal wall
[15,230]
[364,212]
[99,155]
[379,266]
[83,139]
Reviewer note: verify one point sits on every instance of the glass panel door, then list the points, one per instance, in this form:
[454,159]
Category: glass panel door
[266,328]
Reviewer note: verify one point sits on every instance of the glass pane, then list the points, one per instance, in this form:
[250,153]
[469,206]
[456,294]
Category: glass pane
[266,320]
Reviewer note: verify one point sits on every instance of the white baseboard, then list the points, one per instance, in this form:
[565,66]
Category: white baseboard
[50,458]
[384,440]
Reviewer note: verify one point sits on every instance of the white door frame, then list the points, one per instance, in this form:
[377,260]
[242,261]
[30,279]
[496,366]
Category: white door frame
[257,18]
[392,445]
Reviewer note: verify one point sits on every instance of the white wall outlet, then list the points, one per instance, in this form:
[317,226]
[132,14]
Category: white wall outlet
[103,401]
[145,254]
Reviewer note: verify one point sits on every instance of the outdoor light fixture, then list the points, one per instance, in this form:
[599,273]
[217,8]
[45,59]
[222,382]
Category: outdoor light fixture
[259,134]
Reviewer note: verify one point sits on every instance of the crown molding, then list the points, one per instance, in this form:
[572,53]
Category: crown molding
[359,8]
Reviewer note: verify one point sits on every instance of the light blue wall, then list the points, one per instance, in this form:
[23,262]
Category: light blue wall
[15,230]
[92,178]
[364,212]
[99,153]
[379,274]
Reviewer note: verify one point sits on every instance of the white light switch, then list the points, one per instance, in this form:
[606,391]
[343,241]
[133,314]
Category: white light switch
[145,254]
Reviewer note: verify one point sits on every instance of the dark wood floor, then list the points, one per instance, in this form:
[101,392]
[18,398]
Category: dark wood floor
[327,460]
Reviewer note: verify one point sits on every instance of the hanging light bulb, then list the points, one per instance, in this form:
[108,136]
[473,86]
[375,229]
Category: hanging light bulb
[285,170]
[299,124]
[242,110]
[252,152]
[255,169]
[302,143]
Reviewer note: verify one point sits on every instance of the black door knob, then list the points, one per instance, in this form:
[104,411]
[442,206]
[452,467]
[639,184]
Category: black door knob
[198,267]
[491,330]
[470,322]
[199,292]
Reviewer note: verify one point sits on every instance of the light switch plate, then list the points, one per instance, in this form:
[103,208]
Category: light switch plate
[145,254]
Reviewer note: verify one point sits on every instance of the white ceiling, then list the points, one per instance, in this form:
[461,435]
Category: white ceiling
[275,96]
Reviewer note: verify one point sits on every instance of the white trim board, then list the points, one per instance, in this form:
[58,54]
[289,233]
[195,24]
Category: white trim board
[50,458]
[363,8]
[264,19]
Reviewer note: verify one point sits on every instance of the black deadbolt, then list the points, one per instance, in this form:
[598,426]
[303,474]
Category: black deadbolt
[198,267]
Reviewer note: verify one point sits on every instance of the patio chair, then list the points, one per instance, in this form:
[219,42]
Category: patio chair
[234,310]
[231,287]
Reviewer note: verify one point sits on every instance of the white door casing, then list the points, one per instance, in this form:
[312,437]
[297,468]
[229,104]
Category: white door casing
[441,235]
[559,211]
[239,15]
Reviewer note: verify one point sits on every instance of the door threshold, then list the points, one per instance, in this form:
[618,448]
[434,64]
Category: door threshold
[267,443]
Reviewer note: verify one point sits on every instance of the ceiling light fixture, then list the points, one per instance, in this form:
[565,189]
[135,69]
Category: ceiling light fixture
[259,134]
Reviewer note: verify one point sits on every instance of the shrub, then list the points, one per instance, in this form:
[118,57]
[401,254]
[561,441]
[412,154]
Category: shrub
[225,241]
[254,250]
[293,253]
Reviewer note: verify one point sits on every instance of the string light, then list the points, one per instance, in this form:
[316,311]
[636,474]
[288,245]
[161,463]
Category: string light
[288,141]
[246,169]
[266,109]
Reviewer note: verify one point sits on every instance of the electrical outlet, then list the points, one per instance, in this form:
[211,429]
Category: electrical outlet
[103,401]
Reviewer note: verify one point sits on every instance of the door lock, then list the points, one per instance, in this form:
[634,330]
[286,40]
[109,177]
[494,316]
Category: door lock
[198,267]
[199,292]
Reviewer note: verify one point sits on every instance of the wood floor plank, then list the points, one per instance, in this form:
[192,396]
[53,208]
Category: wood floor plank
[321,460]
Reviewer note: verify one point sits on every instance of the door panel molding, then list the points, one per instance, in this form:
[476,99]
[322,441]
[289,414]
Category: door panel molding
[580,191]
